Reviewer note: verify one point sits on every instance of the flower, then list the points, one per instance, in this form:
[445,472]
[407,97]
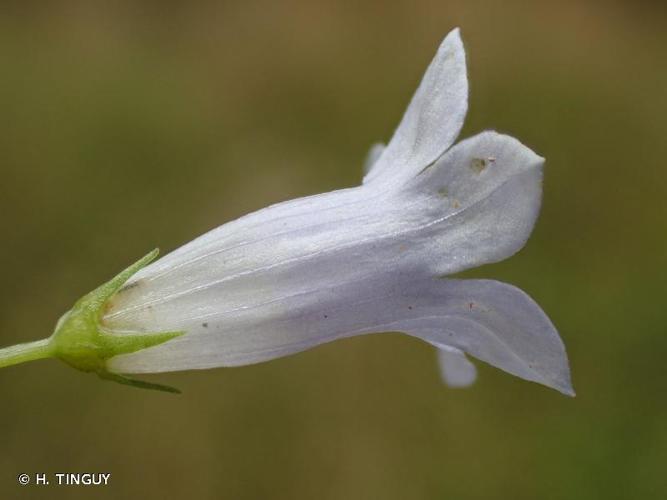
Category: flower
[367,259]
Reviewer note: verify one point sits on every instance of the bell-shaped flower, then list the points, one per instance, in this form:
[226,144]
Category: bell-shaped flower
[372,258]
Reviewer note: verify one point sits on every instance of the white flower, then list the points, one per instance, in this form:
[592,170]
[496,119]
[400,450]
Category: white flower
[355,261]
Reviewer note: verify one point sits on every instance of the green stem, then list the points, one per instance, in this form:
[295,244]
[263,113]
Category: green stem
[29,351]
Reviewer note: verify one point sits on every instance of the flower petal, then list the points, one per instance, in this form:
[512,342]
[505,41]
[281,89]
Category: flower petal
[455,368]
[491,321]
[486,191]
[496,323]
[433,119]
[448,218]
[372,156]
[283,279]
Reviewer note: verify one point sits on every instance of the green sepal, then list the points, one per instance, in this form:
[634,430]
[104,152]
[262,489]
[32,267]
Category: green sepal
[141,384]
[82,342]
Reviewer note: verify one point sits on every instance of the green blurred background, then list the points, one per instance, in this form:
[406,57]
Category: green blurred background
[127,126]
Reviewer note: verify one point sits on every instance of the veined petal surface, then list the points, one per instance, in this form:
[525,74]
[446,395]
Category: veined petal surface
[484,195]
[433,118]
[449,217]
[491,321]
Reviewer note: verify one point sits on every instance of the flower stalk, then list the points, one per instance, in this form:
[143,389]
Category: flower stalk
[22,353]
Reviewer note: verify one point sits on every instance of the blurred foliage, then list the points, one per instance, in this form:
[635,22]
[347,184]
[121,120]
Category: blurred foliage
[133,125]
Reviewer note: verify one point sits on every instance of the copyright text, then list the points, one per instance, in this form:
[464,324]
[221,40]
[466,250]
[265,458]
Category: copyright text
[66,479]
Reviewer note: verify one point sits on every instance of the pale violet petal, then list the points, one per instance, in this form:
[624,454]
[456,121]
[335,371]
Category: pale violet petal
[491,321]
[487,191]
[433,118]
[452,216]
[373,154]
[455,368]
[448,218]
[496,323]
[230,289]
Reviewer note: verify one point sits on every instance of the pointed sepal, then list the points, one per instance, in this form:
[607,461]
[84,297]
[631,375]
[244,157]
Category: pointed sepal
[140,384]
[81,341]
